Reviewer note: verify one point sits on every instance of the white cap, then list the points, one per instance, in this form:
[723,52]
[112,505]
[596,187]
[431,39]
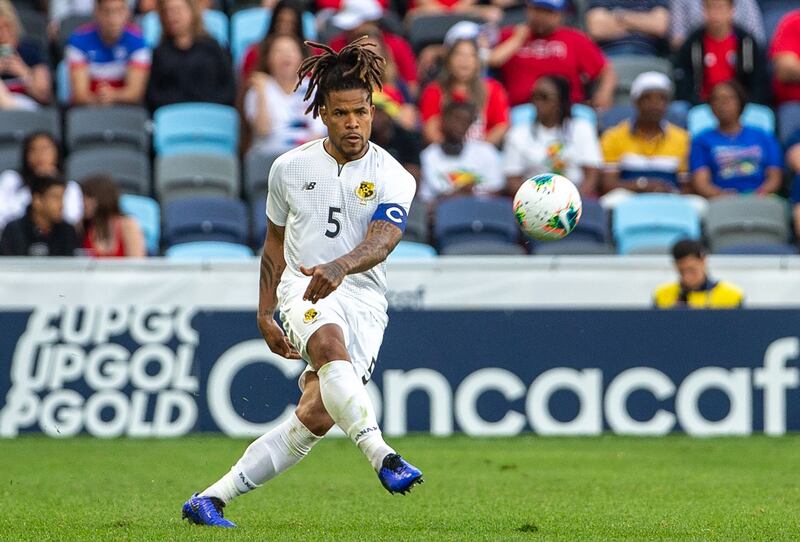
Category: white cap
[463,30]
[648,81]
[354,13]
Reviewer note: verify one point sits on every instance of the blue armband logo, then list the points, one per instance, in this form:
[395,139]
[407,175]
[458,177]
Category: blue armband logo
[391,212]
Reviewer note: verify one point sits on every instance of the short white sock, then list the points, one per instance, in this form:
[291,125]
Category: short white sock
[348,403]
[267,457]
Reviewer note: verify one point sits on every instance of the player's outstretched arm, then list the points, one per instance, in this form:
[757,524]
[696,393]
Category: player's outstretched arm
[382,237]
[272,266]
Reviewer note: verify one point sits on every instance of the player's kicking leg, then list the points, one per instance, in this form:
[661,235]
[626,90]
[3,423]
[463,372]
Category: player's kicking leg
[346,400]
[266,458]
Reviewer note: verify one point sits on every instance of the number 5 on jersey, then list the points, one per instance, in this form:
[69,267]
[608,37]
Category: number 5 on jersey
[334,221]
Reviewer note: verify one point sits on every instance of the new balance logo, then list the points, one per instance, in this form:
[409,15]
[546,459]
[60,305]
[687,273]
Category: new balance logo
[309,186]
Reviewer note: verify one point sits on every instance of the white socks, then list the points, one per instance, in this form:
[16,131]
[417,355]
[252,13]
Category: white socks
[346,400]
[267,457]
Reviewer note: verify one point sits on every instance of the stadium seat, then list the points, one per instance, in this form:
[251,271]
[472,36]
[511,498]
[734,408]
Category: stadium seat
[147,213]
[759,250]
[129,168]
[196,175]
[249,26]
[258,219]
[118,126]
[409,250]
[63,86]
[10,157]
[652,223]
[256,172]
[214,21]
[66,28]
[430,29]
[34,25]
[788,120]
[208,250]
[590,236]
[16,125]
[482,247]
[747,220]
[701,118]
[196,128]
[418,224]
[472,219]
[526,113]
[205,219]
[628,68]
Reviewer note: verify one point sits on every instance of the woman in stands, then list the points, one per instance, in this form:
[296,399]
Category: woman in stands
[733,158]
[276,111]
[554,142]
[107,232]
[188,65]
[287,18]
[41,157]
[461,80]
[24,74]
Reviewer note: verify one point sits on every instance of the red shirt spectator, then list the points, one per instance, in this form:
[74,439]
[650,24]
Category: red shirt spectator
[719,62]
[566,52]
[495,110]
[785,54]
[337,4]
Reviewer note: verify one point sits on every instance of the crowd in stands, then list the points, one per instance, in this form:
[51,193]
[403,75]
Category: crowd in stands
[696,101]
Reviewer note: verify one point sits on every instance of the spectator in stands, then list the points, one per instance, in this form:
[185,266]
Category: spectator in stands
[461,80]
[356,17]
[188,65]
[108,60]
[394,91]
[785,55]
[389,133]
[467,8]
[275,110]
[793,163]
[459,165]
[544,46]
[24,74]
[287,18]
[720,51]
[555,142]
[107,233]
[629,27]
[42,230]
[41,157]
[695,289]
[646,154]
[687,15]
[734,159]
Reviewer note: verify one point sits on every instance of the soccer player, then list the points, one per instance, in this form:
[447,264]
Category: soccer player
[337,207]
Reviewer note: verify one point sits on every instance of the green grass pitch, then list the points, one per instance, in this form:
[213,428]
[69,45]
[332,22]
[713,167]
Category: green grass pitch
[526,488]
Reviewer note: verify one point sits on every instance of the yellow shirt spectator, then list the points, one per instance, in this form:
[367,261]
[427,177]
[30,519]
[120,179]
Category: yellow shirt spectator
[712,295]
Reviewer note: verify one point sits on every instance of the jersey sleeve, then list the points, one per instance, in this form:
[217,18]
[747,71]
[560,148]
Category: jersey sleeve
[393,207]
[277,203]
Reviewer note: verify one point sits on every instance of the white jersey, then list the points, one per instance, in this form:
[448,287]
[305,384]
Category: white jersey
[326,210]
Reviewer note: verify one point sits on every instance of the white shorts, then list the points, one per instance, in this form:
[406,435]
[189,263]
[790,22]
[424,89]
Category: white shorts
[361,325]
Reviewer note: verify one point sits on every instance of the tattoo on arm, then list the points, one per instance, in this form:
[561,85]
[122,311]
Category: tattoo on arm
[381,239]
[272,266]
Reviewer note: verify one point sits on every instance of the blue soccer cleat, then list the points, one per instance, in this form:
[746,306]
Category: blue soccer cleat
[205,511]
[398,475]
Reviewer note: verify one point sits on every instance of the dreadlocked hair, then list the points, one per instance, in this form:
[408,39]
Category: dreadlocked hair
[355,66]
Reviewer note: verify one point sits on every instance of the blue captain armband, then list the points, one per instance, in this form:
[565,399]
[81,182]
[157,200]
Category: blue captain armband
[393,213]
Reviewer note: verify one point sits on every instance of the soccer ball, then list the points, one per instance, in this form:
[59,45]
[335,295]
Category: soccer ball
[547,207]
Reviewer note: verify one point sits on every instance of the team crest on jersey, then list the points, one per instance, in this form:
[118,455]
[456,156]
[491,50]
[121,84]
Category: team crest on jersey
[366,190]
[310,316]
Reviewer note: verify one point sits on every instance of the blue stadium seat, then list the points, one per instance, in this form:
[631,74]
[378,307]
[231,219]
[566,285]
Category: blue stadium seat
[205,219]
[63,87]
[526,113]
[409,250]
[215,23]
[788,120]
[257,164]
[701,118]
[652,223]
[147,213]
[759,250]
[470,219]
[196,128]
[258,218]
[208,250]
[590,236]
[747,220]
[249,26]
